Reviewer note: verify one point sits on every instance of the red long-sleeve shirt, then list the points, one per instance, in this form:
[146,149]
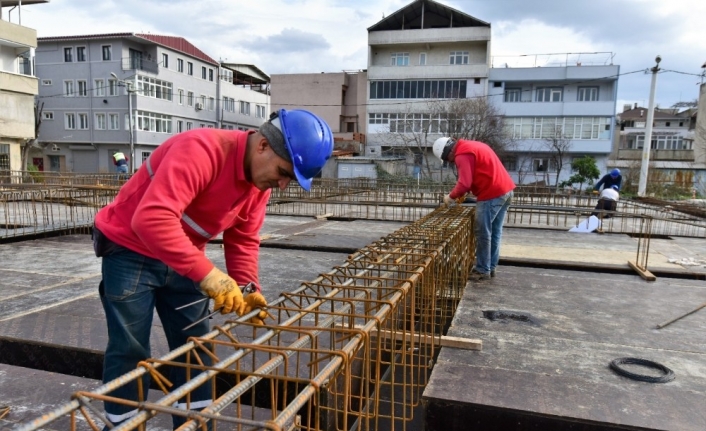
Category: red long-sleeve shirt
[200,174]
[480,171]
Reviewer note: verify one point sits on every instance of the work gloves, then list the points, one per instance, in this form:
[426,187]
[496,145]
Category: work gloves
[595,192]
[227,296]
[225,292]
[448,201]
[256,300]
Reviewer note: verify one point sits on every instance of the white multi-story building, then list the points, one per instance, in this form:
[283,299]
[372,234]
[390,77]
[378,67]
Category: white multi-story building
[421,54]
[557,108]
[90,83]
[18,84]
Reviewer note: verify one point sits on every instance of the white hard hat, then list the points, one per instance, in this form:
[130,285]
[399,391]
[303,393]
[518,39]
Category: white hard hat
[439,146]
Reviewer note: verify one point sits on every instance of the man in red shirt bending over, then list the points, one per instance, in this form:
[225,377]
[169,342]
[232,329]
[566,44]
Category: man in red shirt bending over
[480,172]
[152,237]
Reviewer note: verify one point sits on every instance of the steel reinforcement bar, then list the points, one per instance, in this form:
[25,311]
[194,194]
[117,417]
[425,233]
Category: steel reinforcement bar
[352,349]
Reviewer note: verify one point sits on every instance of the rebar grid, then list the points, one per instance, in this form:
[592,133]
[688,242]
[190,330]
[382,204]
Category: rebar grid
[352,349]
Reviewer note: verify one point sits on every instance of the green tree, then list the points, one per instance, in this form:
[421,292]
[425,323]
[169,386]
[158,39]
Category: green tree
[585,171]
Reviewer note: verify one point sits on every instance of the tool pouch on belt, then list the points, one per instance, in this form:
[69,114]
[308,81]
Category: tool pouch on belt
[103,246]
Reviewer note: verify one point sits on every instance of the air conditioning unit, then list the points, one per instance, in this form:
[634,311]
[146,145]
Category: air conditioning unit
[199,106]
[55,148]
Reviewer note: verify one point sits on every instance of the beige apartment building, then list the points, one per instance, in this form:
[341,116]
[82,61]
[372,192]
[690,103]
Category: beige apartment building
[18,85]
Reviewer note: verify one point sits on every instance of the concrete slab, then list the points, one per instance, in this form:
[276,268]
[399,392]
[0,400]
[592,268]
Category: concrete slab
[551,370]
[594,248]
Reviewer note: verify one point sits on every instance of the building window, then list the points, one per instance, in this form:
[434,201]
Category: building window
[146,155]
[152,122]
[180,65]
[211,104]
[399,59]
[83,121]
[107,51]
[189,68]
[112,87]
[68,55]
[180,126]
[245,108]
[476,80]
[99,87]
[260,111]
[165,61]
[82,88]
[113,121]
[5,157]
[543,165]
[667,124]
[46,82]
[181,96]
[458,57]
[203,72]
[226,75]
[510,163]
[587,94]
[47,115]
[69,88]
[100,122]
[377,118]
[210,75]
[190,98]
[549,94]
[587,128]
[450,89]
[513,94]
[189,125]
[422,58]
[80,53]
[69,121]
[152,87]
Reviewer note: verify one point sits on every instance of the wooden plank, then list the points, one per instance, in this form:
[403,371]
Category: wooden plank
[417,338]
[647,275]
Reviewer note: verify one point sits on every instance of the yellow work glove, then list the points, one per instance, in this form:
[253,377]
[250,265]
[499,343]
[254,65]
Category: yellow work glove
[595,192]
[448,201]
[256,300]
[225,292]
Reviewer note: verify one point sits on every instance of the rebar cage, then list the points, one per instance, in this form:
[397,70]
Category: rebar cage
[351,349]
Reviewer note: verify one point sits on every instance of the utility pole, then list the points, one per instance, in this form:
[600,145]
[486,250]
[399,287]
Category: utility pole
[130,89]
[648,131]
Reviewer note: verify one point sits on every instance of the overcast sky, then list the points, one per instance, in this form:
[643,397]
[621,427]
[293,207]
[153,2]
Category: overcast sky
[303,36]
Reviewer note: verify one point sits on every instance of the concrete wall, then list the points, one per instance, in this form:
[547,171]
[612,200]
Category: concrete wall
[320,93]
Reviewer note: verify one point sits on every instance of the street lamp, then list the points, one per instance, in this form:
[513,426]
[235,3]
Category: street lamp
[130,89]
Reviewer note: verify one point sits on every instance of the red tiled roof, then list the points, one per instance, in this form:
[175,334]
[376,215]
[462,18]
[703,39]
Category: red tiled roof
[176,43]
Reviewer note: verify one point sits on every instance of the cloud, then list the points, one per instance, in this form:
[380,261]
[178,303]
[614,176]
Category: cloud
[289,40]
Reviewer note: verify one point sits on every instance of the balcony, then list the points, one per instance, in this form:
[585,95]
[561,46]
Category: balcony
[140,65]
[568,109]
[429,35]
[17,36]
[21,84]
[657,155]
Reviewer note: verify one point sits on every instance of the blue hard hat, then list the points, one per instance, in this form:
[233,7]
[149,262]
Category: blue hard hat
[615,172]
[309,141]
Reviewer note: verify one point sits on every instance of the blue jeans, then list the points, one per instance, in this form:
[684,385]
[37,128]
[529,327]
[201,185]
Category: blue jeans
[490,216]
[133,286]
[121,169]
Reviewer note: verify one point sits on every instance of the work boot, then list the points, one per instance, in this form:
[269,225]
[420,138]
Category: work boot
[492,273]
[479,276]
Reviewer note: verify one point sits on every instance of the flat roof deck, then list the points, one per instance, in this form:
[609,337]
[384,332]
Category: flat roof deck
[552,372]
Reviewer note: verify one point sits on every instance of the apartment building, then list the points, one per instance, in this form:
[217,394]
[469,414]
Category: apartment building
[18,84]
[127,92]
[421,55]
[244,96]
[676,151]
[557,108]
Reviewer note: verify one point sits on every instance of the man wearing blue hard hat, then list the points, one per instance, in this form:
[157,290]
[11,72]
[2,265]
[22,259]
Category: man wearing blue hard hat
[613,178]
[152,238]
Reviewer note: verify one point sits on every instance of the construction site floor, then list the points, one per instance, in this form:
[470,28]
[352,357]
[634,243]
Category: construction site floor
[548,339]
[51,319]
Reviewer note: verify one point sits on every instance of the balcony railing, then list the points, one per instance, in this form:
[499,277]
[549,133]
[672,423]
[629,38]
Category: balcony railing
[137,63]
[668,155]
